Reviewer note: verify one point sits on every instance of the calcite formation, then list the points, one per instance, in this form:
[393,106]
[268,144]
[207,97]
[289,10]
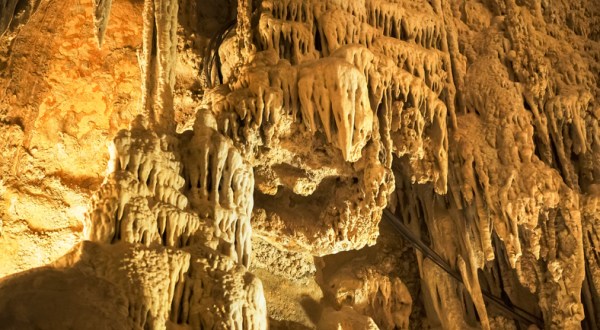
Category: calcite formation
[344,97]
[157,61]
[168,263]
[101,15]
[475,123]
[376,282]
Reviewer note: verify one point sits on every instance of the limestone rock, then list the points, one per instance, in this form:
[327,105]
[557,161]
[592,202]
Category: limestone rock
[220,186]
[346,318]
[62,102]
[290,125]
[386,300]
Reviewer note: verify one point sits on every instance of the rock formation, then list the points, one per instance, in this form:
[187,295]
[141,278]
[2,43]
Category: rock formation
[287,127]
[15,12]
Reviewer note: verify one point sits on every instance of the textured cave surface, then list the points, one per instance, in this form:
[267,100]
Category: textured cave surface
[238,164]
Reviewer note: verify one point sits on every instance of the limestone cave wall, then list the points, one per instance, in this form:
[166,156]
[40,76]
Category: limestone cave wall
[299,164]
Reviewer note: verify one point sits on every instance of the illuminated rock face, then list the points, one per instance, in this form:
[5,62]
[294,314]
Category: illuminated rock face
[62,101]
[167,260]
[330,95]
[167,237]
[477,123]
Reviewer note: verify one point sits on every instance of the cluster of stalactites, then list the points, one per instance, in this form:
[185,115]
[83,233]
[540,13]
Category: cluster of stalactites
[292,40]
[331,94]
[220,185]
[567,116]
[140,201]
[398,54]
[505,191]
[201,260]
[414,115]
[421,27]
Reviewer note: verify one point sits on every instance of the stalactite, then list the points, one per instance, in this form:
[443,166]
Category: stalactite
[338,28]
[14,13]
[157,61]
[292,40]
[220,186]
[337,93]
[101,16]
